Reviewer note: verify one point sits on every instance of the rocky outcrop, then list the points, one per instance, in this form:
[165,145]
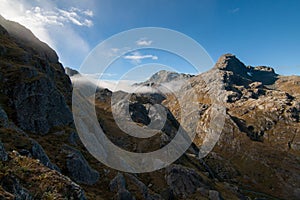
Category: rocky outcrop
[78,168]
[183,181]
[3,154]
[38,152]
[3,118]
[34,86]
[39,106]
[35,100]
[147,194]
[261,125]
[71,72]
[25,178]
[118,185]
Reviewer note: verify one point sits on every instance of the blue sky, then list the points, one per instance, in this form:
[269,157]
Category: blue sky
[261,32]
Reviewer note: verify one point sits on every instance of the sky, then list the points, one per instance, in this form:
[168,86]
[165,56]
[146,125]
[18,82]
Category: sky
[258,32]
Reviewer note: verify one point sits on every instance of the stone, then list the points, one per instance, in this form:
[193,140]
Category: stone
[3,118]
[118,185]
[74,139]
[78,168]
[71,72]
[183,181]
[38,152]
[145,191]
[3,154]
[214,195]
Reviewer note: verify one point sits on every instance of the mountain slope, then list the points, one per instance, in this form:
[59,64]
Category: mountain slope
[259,144]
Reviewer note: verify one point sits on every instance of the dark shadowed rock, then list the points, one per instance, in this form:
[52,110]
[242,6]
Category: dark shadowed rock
[3,154]
[139,113]
[40,106]
[183,181]
[3,118]
[124,194]
[144,190]
[74,138]
[118,185]
[71,72]
[38,152]
[214,195]
[78,168]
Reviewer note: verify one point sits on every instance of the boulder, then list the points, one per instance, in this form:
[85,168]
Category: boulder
[3,118]
[78,168]
[183,181]
[118,185]
[3,154]
[38,152]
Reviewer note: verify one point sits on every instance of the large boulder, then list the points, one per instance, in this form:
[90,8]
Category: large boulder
[38,152]
[118,185]
[78,168]
[3,118]
[183,181]
[3,154]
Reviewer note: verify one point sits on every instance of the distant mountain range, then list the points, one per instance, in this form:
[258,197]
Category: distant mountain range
[256,157]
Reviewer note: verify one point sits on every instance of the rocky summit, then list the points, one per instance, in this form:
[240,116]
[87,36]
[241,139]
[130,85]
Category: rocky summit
[252,111]
[164,76]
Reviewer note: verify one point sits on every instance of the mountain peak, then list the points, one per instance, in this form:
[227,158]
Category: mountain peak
[239,73]
[229,62]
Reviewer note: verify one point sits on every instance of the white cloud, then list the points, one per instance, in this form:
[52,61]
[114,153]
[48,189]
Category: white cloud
[51,24]
[127,85]
[137,57]
[75,16]
[144,42]
[235,10]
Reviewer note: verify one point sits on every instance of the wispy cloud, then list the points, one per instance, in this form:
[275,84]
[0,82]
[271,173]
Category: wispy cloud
[57,16]
[75,16]
[127,85]
[144,42]
[51,24]
[137,57]
[235,10]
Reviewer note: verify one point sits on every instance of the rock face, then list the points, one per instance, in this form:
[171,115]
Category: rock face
[118,185]
[34,86]
[78,168]
[38,152]
[71,72]
[3,154]
[183,181]
[3,118]
[35,95]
